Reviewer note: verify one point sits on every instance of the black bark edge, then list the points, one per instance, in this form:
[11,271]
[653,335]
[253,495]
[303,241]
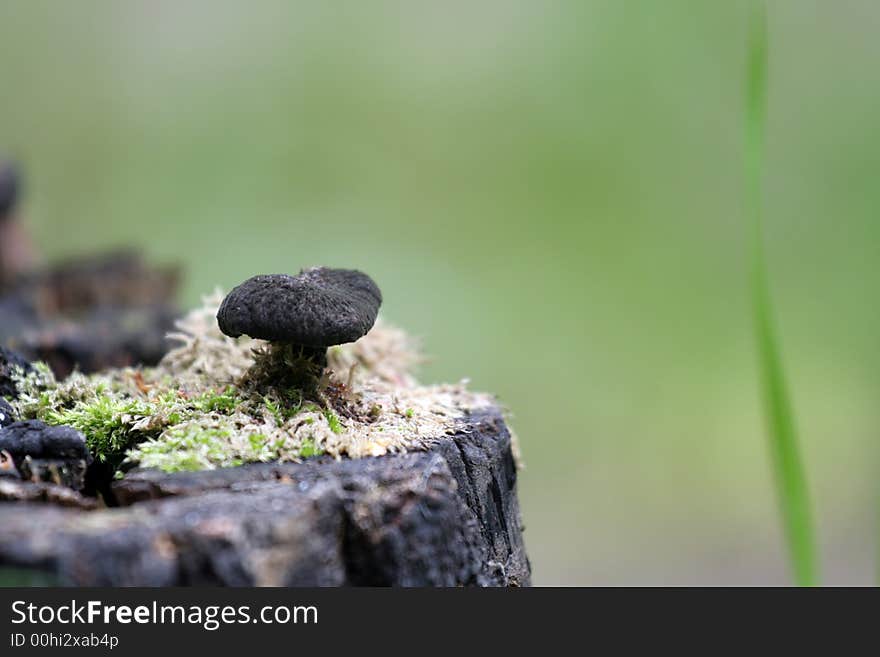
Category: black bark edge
[448,516]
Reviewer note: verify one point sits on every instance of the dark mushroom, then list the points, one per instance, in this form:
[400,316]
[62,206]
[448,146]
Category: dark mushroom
[7,413]
[301,316]
[41,452]
[9,186]
[16,251]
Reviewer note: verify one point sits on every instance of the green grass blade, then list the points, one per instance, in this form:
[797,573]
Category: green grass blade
[786,460]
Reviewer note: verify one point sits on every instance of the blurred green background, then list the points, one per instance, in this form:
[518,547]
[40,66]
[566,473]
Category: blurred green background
[548,193]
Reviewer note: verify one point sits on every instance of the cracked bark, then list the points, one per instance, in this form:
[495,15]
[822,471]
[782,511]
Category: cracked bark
[445,517]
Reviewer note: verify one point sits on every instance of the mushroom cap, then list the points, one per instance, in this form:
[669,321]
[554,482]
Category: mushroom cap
[319,307]
[9,188]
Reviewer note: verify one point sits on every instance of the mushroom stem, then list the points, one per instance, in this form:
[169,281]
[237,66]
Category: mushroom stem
[285,365]
[301,360]
[315,355]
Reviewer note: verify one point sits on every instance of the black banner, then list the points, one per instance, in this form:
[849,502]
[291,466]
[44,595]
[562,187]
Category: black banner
[136,621]
[121,620]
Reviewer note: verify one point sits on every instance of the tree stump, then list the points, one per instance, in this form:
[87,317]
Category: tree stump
[448,516]
[107,310]
[444,516]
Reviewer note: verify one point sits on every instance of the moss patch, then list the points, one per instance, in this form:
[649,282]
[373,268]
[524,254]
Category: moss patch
[209,404]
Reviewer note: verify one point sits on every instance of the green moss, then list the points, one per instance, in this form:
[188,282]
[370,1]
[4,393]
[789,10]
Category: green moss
[224,402]
[274,409]
[194,447]
[187,448]
[310,449]
[258,441]
[106,422]
[333,421]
